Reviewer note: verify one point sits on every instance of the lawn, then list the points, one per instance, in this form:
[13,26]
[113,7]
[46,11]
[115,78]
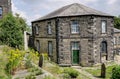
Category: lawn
[97,71]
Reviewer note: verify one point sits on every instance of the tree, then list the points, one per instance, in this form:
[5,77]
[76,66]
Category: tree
[117,22]
[11,30]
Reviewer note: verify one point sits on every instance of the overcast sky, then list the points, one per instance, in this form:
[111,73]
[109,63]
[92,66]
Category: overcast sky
[33,9]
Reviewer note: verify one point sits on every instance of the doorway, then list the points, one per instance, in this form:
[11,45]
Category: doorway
[75,53]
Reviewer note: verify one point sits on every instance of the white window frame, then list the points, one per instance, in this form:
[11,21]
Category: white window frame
[104,26]
[74,27]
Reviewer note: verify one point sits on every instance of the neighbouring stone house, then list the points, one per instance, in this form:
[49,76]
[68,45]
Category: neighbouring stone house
[117,41]
[5,7]
[75,35]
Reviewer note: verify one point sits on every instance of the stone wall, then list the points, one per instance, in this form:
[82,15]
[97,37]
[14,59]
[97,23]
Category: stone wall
[6,6]
[89,38]
[117,44]
[43,37]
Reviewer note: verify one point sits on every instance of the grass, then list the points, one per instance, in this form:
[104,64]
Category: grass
[3,62]
[97,72]
[59,72]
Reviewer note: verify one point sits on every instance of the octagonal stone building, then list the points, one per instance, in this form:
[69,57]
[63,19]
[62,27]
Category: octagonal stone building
[75,35]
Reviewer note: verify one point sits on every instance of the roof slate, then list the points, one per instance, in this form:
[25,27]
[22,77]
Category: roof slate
[74,9]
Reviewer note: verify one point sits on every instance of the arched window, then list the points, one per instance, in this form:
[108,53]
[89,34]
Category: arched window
[1,11]
[104,47]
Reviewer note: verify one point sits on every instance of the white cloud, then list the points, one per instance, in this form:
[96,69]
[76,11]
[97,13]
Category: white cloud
[16,10]
[23,14]
[111,1]
[34,9]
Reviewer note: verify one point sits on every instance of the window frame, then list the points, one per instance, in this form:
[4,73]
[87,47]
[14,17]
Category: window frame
[1,10]
[104,47]
[75,45]
[115,40]
[75,29]
[50,50]
[105,27]
[119,40]
[36,29]
[49,28]
[38,45]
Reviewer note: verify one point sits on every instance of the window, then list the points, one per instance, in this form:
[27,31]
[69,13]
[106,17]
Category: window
[115,40]
[49,28]
[50,50]
[75,45]
[38,45]
[1,11]
[37,29]
[119,41]
[104,27]
[74,27]
[104,47]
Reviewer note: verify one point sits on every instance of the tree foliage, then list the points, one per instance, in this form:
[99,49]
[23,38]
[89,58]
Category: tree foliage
[117,22]
[11,30]
[116,73]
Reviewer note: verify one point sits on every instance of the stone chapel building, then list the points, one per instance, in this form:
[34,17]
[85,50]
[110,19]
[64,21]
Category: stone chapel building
[5,7]
[75,35]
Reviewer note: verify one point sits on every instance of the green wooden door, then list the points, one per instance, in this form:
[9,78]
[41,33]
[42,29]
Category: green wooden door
[75,58]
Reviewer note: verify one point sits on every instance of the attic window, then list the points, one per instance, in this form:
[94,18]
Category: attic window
[74,27]
[1,11]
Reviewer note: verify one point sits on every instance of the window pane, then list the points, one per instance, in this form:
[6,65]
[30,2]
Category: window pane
[49,28]
[119,41]
[75,46]
[115,40]
[0,11]
[38,45]
[37,29]
[104,27]
[104,47]
[50,48]
[74,27]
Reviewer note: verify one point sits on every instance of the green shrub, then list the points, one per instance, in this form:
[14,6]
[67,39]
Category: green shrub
[35,70]
[116,73]
[71,72]
[30,77]
[66,76]
[28,63]
[15,58]
[48,77]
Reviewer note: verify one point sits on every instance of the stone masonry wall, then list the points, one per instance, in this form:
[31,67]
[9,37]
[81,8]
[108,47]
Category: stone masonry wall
[43,37]
[89,38]
[6,6]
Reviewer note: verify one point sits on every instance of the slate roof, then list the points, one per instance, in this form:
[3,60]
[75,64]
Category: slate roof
[74,9]
[116,30]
